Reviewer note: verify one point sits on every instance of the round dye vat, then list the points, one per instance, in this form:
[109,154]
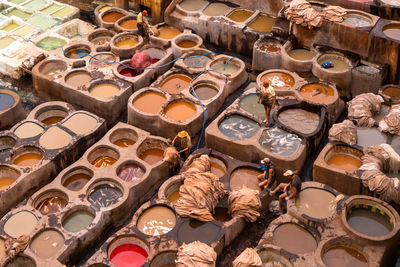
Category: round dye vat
[240,15]
[369,221]
[55,138]
[124,142]
[101,40]
[98,60]
[216,9]
[396,143]
[238,127]
[205,91]
[77,221]
[131,172]
[128,72]
[174,196]
[52,120]
[250,104]
[174,84]
[78,78]
[6,101]
[19,224]
[392,92]
[392,31]
[130,24]
[193,5]
[28,159]
[385,109]
[317,93]
[2,249]
[339,64]
[180,111]
[221,214]
[345,162]
[52,205]
[186,44]
[279,80]
[128,255]
[262,23]
[301,54]
[104,90]
[157,220]
[81,123]
[152,156]
[294,239]
[28,130]
[316,203]
[300,120]
[193,230]
[104,9]
[77,181]
[357,20]
[128,43]
[112,17]
[280,142]
[218,167]
[46,244]
[227,69]
[55,73]
[370,137]
[197,62]
[104,161]
[51,43]
[149,102]
[168,32]
[271,47]
[5,182]
[77,53]
[104,195]
[246,177]
[21,261]
[344,255]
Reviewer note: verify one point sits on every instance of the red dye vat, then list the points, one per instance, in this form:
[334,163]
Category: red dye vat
[128,255]
[154,60]
[127,72]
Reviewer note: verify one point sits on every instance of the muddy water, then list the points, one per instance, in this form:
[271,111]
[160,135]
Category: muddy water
[280,142]
[249,103]
[262,23]
[216,9]
[357,20]
[294,239]
[279,80]
[101,40]
[124,142]
[77,181]
[6,181]
[79,78]
[316,203]
[128,255]
[52,120]
[338,64]
[55,138]
[6,101]
[317,93]
[186,44]
[128,43]
[19,224]
[77,53]
[104,90]
[174,196]
[370,223]
[193,5]
[217,167]
[244,176]
[77,221]
[193,230]
[28,159]
[238,127]
[157,220]
[346,256]
[112,17]
[52,205]
[221,214]
[227,69]
[46,244]
[300,120]
[271,47]
[104,161]
[152,156]
[131,172]
[55,73]
[168,32]
[28,130]
[174,84]
[301,54]
[240,15]
[150,102]
[392,31]
[180,111]
[370,136]
[130,24]
[393,92]
[81,123]
[345,162]
[104,195]
[197,62]
[205,91]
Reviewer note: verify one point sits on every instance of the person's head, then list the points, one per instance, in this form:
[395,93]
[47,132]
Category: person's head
[145,12]
[265,83]
[183,134]
[288,173]
[266,161]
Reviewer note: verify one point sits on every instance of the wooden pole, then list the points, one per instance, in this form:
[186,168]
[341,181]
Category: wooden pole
[124,4]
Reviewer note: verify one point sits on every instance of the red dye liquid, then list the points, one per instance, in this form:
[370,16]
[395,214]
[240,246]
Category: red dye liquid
[128,72]
[155,60]
[128,255]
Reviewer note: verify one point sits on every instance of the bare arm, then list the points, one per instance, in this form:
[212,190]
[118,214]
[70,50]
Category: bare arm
[273,102]
[292,194]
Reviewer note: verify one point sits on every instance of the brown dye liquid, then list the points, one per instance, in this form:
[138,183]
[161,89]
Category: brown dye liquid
[205,92]
[28,159]
[338,64]
[272,263]
[345,162]
[157,220]
[174,196]
[317,93]
[271,47]
[168,32]
[52,205]
[55,138]
[104,161]
[393,92]
[370,137]
[47,244]
[180,111]
[77,181]
[5,181]
[78,78]
[392,31]
[152,156]
[193,230]
[186,44]
[81,123]
[124,142]
[369,223]
[217,169]
[174,84]
[126,43]
[301,54]
[221,214]
[245,176]
[77,53]
[279,80]
[345,256]
[262,23]
[168,265]
[98,61]
[21,223]
[240,15]
[130,24]
[104,90]
[149,102]
[192,5]
[294,239]
[216,9]
[300,120]
[316,203]
[52,120]
[112,17]
[101,40]
[28,130]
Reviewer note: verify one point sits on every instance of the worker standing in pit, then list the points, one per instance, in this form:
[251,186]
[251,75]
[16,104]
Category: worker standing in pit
[143,25]
[267,98]
[182,142]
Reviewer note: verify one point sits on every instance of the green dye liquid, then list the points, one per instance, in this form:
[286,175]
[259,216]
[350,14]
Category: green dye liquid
[41,21]
[64,12]
[51,43]
[17,1]
[6,41]
[18,13]
[51,9]
[35,5]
